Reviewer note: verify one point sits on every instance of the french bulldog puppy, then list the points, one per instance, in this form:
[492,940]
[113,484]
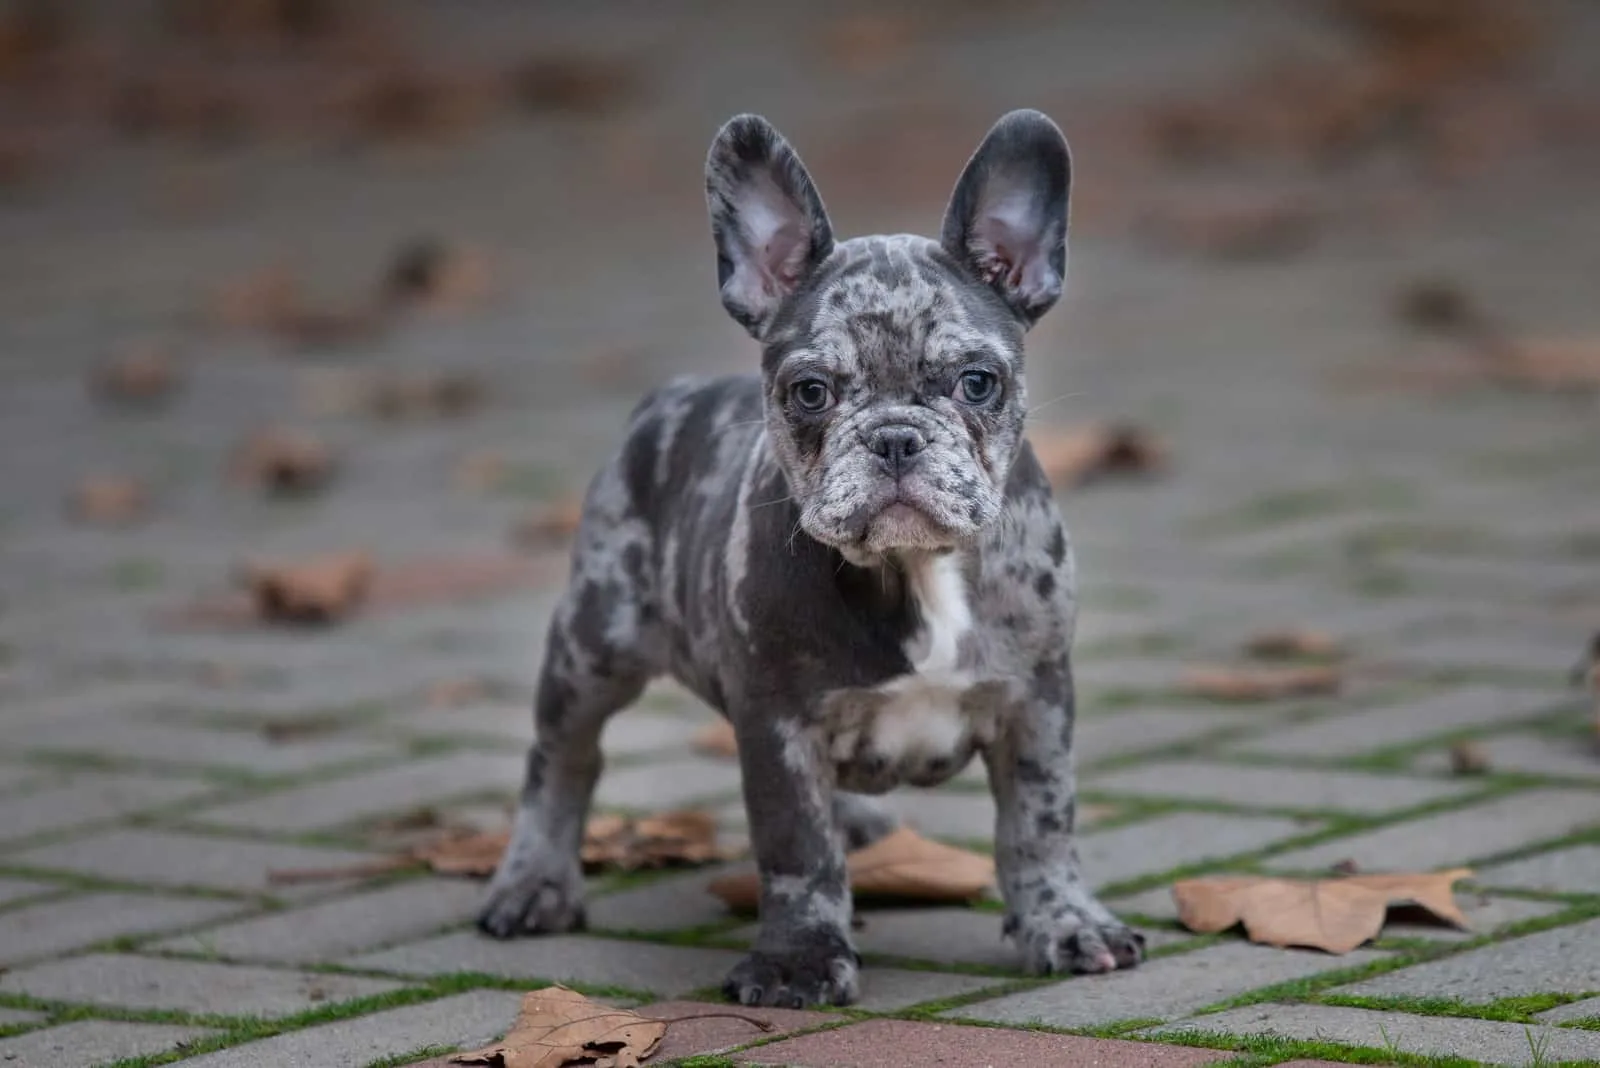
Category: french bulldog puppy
[853,555]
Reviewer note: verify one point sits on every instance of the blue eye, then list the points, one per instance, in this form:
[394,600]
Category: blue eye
[811,395]
[976,387]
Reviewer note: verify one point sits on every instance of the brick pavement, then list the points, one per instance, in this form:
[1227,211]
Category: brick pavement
[155,770]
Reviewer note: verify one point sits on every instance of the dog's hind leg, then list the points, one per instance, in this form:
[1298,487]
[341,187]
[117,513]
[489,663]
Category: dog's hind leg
[601,650]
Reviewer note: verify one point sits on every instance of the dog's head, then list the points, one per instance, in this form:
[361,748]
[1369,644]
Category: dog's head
[893,365]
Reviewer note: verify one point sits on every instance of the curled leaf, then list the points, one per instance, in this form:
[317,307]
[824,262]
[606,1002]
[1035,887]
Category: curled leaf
[322,589]
[1292,644]
[557,1027]
[900,865]
[1259,683]
[1335,915]
[143,374]
[284,462]
[108,500]
[717,739]
[1079,456]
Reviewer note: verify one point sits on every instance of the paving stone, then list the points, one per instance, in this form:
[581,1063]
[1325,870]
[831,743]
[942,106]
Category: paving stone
[465,1020]
[332,929]
[1105,735]
[1390,725]
[943,935]
[717,1031]
[1455,837]
[1512,651]
[167,743]
[1587,1009]
[1167,842]
[384,791]
[1563,871]
[668,970]
[874,1043]
[89,1043]
[86,798]
[1488,1041]
[633,732]
[894,989]
[667,784]
[16,776]
[955,814]
[1530,753]
[667,904]
[1288,788]
[52,927]
[1165,987]
[1095,675]
[167,858]
[15,1017]
[190,986]
[1564,960]
[17,889]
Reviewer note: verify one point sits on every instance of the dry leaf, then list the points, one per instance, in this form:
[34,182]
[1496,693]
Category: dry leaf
[1079,456]
[550,526]
[480,471]
[668,839]
[1336,915]
[1254,229]
[258,301]
[284,461]
[1291,644]
[1587,675]
[1259,683]
[436,275]
[1469,758]
[429,395]
[900,865]
[572,84]
[143,374]
[716,739]
[557,1027]
[323,589]
[108,500]
[1555,364]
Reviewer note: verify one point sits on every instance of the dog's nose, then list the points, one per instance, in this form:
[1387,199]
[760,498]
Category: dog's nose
[897,445]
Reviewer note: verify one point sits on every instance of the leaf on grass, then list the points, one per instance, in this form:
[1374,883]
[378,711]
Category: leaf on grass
[284,462]
[900,865]
[1335,915]
[1293,644]
[322,589]
[549,526]
[1259,683]
[108,501]
[144,374]
[557,1027]
[1076,457]
[716,739]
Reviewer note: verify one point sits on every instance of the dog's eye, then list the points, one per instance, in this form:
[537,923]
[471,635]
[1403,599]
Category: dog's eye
[976,387]
[811,395]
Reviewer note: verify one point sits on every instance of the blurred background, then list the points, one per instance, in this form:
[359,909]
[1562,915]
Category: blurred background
[1333,260]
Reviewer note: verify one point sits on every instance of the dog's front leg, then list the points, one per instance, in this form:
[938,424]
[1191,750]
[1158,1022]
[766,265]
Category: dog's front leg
[1052,915]
[803,954]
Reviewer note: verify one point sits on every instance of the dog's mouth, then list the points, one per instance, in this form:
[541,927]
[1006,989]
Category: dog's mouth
[904,522]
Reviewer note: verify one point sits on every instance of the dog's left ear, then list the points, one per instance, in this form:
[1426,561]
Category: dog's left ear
[767,218]
[1007,220]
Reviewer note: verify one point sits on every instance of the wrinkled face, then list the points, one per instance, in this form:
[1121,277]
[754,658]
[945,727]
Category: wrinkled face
[895,399]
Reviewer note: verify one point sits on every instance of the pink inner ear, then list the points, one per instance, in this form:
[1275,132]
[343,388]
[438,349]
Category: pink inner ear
[781,257]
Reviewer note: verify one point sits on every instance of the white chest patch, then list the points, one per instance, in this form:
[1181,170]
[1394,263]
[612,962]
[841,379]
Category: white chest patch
[922,717]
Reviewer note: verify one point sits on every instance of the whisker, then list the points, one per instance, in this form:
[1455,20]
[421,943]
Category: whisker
[768,504]
[1053,400]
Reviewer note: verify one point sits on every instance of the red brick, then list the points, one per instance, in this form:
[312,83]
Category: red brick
[725,1030]
[887,1042]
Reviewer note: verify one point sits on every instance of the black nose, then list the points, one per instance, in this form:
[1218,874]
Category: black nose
[897,445]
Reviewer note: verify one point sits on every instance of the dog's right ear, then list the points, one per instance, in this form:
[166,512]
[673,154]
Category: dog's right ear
[769,224]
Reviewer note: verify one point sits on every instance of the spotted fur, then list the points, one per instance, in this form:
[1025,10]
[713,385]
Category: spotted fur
[873,589]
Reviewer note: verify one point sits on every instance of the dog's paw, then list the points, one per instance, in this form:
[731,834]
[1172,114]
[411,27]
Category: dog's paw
[533,898]
[1075,938]
[819,975]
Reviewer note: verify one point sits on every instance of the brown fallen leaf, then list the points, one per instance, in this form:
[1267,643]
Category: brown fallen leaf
[572,84]
[1076,457]
[549,526]
[557,1027]
[258,301]
[900,865]
[716,739]
[284,461]
[405,104]
[480,471]
[1335,915]
[1259,683]
[1293,644]
[323,589]
[108,501]
[1587,674]
[144,374]
[432,274]
[424,396]
[1469,758]
[1553,364]
[1254,229]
